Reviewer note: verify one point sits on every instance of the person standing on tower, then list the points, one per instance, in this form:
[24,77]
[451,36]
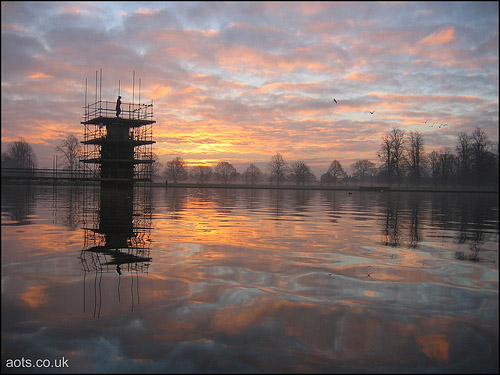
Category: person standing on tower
[118,106]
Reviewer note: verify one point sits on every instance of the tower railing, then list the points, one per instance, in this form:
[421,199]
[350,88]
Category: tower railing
[129,111]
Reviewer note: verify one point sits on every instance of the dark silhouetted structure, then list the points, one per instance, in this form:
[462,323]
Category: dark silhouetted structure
[118,150]
[117,222]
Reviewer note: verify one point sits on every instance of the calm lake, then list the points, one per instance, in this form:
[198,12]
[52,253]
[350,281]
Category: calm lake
[248,280]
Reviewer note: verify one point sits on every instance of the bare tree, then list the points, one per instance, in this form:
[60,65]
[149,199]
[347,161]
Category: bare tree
[364,169]
[336,172]
[326,179]
[252,174]
[71,150]
[385,155]
[447,167]
[480,156]
[397,136]
[434,166]
[19,154]
[277,168]
[416,157]
[176,169]
[225,172]
[201,173]
[301,173]
[392,154]
[464,158]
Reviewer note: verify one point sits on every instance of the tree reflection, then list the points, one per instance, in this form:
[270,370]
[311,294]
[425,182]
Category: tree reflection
[175,199]
[17,203]
[252,198]
[277,198]
[476,225]
[224,200]
[468,217]
[66,205]
[414,225]
[302,200]
[333,202]
[391,232]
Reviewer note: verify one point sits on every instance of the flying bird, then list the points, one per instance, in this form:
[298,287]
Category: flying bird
[425,122]
[335,101]
[371,112]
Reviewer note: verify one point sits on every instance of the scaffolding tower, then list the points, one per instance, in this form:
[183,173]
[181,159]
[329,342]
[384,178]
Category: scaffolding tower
[118,149]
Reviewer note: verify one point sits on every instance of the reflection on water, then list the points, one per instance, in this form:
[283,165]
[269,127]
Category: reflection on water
[117,227]
[250,280]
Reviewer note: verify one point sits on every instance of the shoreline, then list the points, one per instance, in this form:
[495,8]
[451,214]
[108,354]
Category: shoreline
[379,188]
[319,187]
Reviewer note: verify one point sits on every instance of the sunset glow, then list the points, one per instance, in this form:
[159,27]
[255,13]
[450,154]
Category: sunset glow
[240,81]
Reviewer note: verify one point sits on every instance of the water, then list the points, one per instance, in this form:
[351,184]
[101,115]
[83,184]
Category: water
[236,280]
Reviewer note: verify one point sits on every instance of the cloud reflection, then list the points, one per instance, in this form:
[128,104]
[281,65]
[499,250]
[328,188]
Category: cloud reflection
[265,281]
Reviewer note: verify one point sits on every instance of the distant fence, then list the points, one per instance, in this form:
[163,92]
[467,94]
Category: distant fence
[45,174]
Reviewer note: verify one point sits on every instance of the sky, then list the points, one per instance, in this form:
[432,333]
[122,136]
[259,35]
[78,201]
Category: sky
[242,81]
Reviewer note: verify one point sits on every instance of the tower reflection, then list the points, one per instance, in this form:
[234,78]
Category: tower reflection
[117,229]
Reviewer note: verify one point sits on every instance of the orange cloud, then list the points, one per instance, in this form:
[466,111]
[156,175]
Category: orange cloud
[146,11]
[159,91]
[39,75]
[442,36]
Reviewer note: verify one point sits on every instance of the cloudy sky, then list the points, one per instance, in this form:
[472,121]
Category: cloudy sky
[241,81]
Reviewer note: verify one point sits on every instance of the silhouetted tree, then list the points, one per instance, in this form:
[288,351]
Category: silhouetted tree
[481,159]
[71,151]
[201,173]
[225,172]
[19,154]
[176,170]
[447,163]
[385,155]
[434,167]
[277,168]
[336,172]
[392,154]
[326,179]
[301,173]
[494,152]
[416,157]
[252,175]
[364,169]
[397,136]
[464,158]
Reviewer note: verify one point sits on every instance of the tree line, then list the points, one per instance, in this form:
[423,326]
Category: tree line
[402,160]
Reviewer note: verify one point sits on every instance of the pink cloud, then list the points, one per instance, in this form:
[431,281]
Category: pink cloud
[442,36]
[361,77]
